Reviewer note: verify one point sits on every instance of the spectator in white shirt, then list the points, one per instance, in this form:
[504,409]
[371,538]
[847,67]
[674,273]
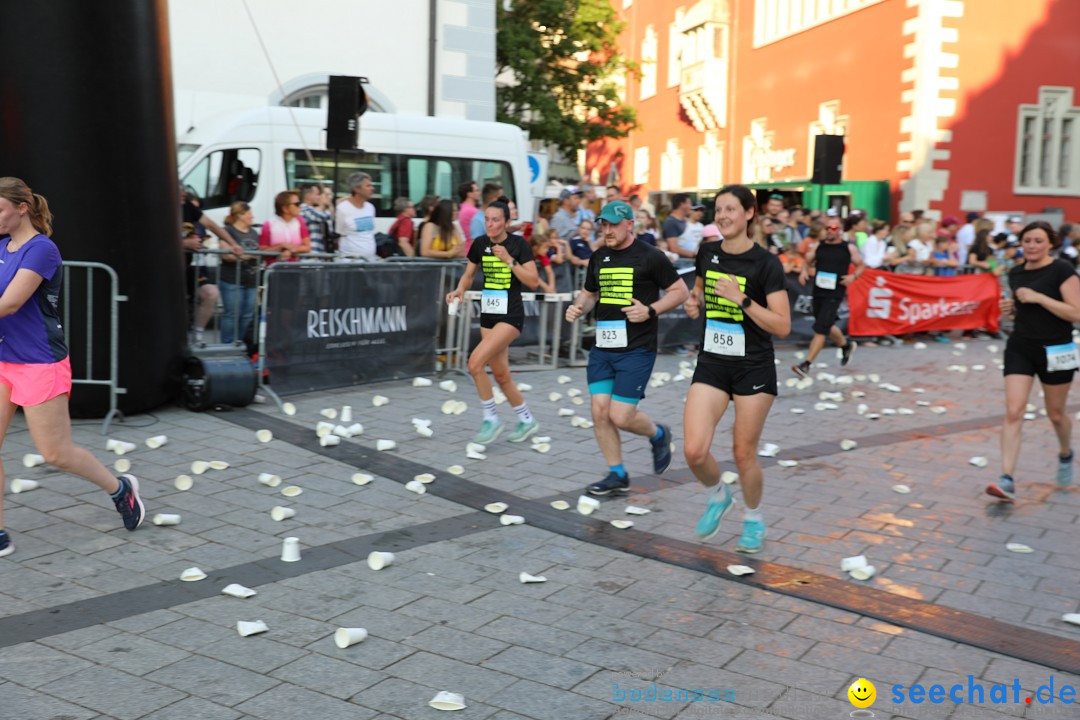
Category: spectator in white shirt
[355,219]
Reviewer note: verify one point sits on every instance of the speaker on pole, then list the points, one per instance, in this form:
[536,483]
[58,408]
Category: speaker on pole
[828,159]
[348,102]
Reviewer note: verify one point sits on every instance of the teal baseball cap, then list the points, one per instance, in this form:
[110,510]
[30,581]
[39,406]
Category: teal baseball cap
[616,211]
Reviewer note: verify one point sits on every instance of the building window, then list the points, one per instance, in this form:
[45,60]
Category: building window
[675,49]
[648,63]
[710,163]
[1046,159]
[641,166]
[777,19]
[671,167]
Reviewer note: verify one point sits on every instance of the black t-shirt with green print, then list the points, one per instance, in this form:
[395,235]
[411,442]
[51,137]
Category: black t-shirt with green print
[759,273]
[498,277]
[639,271]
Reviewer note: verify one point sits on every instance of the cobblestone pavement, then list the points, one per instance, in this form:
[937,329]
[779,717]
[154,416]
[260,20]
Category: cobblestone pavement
[95,624]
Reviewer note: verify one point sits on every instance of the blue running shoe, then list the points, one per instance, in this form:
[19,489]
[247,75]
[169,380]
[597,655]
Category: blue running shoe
[1065,470]
[661,450]
[613,483]
[6,546]
[1003,489]
[719,505]
[489,430]
[524,431]
[753,536]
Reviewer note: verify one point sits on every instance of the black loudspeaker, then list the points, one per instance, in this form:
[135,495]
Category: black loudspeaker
[216,375]
[828,159]
[347,102]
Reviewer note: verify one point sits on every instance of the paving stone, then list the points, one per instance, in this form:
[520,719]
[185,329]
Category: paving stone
[211,680]
[532,635]
[435,610]
[456,644]
[423,667]
[259,653]
[34,665]
[193,708]
[409,701]
[25,704]
[116,693]
[523,608]
[541,667]
[130,653]
[328,676]
[288,702]
[546,703]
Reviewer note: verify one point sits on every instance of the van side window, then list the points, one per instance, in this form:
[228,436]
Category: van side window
[380,166]
[224,176]
[442,176]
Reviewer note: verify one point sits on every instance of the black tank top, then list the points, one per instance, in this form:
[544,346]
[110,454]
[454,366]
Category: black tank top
[831,260]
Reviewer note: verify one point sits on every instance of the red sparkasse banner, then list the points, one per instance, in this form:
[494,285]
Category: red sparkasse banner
[885,303]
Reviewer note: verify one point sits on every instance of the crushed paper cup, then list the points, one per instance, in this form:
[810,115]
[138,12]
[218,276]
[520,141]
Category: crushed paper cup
[920,391]
[448,407]
[578,421]
[238,591]
[19,485]
[157,441]
[498,396]
[166,519]
[264,436]
[425,478]
[344,637]
[622,524]
[288,408]
[978,368]
[919,346]
[183,482]
[290,549]
[587,505]
[542,447]
[416,486]
[456,470]
[342,431]
[856,394]
[1019,548]
[563,379]
[791,382]
[1027,416]
[447,700]
[356,429]
[269,479]
[851,563]
[192,574]
[560,504]
[891,388]
[938,410]
[787,463]
[378,560]
[740,569]
[804,383]
[360,478]
[424,431]
[577,400]
[524,387]
[448,386]
[888,411]
[873,416]
[902,489]
[573,393]
[512,519]
[540,440]
[728,477]
[323,428]
[905,411]
[384,445]
[198,467]
[111,445]
[476,447]
[122,465]
[218,465]
[567,412]
[797,411]
[421,382]
[346,414]
[329,440]
[525,577]
[874,378]
[380,400]
[280,512]
[474,455]
[291,491]
[460,407]
[992,348]
[421,422]
[250,628]
[769,450]
[825,406]
[979,461]
[329,413]
[1073,618]
[496,507]
[635,510]
[863,573]
[922,403]
[848,444]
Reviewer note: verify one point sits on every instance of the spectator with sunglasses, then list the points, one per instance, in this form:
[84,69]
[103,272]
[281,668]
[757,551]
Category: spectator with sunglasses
[285,232]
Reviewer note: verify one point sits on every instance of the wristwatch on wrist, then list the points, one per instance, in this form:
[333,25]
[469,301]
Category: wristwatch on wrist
[652,313]
[746,302]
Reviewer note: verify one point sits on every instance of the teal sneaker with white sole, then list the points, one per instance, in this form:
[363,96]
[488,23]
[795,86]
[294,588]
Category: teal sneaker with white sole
[753,536]
[523,431]
[489,430]
[719,505]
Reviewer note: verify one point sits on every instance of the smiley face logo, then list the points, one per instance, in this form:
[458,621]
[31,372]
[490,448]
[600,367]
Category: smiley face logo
[862,693]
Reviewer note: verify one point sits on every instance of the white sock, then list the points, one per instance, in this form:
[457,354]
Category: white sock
[523,413]
[489,410]
[753,514]
[720,489]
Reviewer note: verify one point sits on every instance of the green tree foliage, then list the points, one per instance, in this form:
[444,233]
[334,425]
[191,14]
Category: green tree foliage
[565,63]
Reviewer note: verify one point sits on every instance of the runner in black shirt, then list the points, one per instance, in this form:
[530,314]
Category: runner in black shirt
[1046,303]
[623,281]
[508,264]
[830,259]
[741,286]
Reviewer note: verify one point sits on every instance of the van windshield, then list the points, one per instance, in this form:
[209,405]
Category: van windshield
[184,151]
[223,177]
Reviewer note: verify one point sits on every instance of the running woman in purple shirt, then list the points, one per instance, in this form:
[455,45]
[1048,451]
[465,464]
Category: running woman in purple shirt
[35,372]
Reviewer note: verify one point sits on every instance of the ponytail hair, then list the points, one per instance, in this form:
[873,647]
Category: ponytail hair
[18,193]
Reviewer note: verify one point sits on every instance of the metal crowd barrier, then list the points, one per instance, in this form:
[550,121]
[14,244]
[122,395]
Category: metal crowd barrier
[85,375]
[549,302]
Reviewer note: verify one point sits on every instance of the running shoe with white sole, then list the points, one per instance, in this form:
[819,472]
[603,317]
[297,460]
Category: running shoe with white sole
[523,432]
[489,430]
[6,545]
[129,504]
[847,352]
[661,449]
[613,483]
[1004,489]
[753,536]
[802,369]
[719,505]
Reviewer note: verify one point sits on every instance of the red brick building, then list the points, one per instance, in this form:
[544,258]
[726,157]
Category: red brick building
[945,105]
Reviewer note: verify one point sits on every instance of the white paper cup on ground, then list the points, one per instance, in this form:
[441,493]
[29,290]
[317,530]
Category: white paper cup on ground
[384,445]
[863,573]
[377,560]
[32,460]
[238,591]
[183,482]
[416,486]
[740,569]
[729,477]
[979,461]
[346,414]
[342,431]
[19,485]
[166,519]
[448,385]
[380,400]
[199,467]
[902,489]
[460,407]
[1018,547]
[848,444]
[192,574]
[329,441]
[474,455]
[280,512]
[329,413]
[290,549]
[560,504]
[563,379]
[218,465]
[421,382]
[447,700]
[361,478]
[1072,618]
[635,510]
[851,563]
[291,490]
[567,412]
[246,628]
[344,637]
[424,431]
[622,524]
[496,507]
[157,441]
[123,448]
[264,436]
[269,479]
[769,450]
[356,429]
[456,470]
[512,520]
[448,407]
[525,577]
[111,445]
[323,428]
[587,505]
[122,465]
[288,408]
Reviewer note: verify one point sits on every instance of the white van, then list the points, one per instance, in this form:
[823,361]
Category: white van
[252,155]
